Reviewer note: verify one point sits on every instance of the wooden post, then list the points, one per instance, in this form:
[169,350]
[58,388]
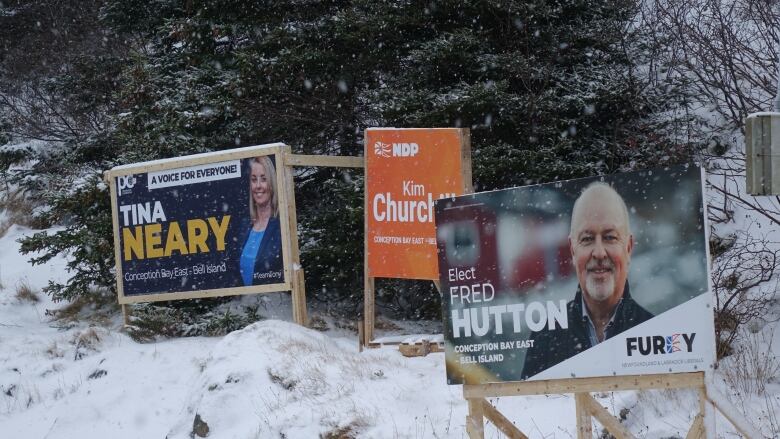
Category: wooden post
[584,424]
[475,424]
[297,283]
[702,427]
[361,339]
[125,314]
[368,305]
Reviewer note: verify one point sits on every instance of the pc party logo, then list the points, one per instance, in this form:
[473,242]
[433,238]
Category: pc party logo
[125,184]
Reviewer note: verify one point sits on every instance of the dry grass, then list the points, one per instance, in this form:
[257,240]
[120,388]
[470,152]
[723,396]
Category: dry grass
[349,431]
[349,325]
[752,365]
[54,351]
[19,210]
[384,324]
[25,293]
[318,323]
[85,342]
[93,308]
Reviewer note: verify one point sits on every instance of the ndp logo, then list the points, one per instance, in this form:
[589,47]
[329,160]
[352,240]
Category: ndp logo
[125,183]
[396,149]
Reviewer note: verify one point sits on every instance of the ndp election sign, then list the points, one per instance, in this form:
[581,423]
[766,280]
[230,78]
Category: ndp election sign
[406,171]
[199,225]
[582,278]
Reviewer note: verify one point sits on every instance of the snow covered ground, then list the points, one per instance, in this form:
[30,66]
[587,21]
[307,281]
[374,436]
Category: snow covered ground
[275,379]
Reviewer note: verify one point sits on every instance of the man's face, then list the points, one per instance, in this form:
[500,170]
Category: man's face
[601,245]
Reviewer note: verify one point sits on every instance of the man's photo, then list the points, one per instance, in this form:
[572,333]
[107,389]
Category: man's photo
[559,269]
[601,243]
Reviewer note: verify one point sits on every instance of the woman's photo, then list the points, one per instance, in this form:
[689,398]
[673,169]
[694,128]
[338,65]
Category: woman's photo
[260,235]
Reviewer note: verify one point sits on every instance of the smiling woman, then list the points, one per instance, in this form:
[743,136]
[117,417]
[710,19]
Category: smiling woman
[260,236]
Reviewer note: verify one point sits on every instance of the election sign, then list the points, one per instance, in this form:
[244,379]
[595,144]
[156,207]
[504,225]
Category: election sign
[202,225]
[583,278]
[406,171]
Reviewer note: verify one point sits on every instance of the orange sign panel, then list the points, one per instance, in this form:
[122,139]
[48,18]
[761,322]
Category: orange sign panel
[406,170]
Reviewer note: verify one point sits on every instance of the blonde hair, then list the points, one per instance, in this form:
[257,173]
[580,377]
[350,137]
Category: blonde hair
[270,171]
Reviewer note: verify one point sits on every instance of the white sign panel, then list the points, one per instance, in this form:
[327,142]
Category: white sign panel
[583,278]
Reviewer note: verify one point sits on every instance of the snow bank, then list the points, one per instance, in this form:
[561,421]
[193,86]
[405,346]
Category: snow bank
[277,379]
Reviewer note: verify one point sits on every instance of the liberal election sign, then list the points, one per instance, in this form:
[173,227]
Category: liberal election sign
[582,278]
[198,226]
[406,170]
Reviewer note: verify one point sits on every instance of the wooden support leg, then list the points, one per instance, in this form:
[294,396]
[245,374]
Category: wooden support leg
[708,415]
[299,298]
[717,400]
[702,433]
[368,309]
[501,422]
[125,315]
[584,424]
[475,423]
[605,418]
[361,337]
[697,429]
[290,235]
[709,431]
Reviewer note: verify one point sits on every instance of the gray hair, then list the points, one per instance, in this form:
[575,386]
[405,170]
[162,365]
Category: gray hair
[599,185]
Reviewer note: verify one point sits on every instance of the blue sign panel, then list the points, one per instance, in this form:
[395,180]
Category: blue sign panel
[205,227]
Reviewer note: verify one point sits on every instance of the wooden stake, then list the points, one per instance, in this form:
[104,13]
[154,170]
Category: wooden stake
[606,419]
[731,413]
[125,315]
[475,424]
[300,293]
[368,281]
[368,306]
[697,429]
[361,340]
[298,287]
[584,422]
[702,433]
[502,423]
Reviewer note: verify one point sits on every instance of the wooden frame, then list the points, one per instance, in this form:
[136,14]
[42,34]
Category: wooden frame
[293,274]
[588,408]
[369,291]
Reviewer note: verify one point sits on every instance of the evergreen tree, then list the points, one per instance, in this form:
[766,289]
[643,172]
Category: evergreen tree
[550,90]
[58,73]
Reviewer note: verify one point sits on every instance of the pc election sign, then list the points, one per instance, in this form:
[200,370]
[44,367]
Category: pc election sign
[188,227]
[535,286]
[406,171]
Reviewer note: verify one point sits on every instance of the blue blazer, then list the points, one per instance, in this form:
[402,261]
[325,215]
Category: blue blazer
[268,263]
